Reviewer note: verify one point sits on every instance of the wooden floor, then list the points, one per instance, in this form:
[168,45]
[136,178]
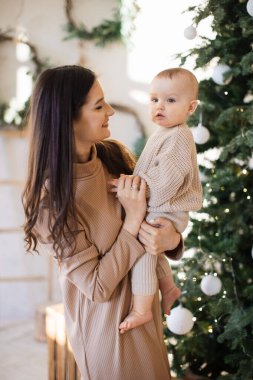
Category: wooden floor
[21,356]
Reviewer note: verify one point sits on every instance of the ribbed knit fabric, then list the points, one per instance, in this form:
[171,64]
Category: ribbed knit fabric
[168,163]
[96,289]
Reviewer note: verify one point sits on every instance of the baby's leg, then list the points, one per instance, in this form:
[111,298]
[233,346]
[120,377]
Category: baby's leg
[144,286]
[170,292]
[140,314]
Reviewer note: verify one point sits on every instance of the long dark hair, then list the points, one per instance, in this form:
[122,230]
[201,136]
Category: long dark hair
[58,95]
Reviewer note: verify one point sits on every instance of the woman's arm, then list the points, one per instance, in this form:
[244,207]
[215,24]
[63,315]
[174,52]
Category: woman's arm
[96,274]
[161,237]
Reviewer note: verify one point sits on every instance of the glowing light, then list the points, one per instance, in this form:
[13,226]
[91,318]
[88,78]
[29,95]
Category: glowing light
[194,319]
[210,329]
[199,299]
[245,190]
[248,197]
[244,171]
[226,210]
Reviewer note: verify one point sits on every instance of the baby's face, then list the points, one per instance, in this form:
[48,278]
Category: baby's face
[171,101]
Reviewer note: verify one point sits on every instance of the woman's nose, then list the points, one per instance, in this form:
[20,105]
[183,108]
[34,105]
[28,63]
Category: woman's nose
[110,110]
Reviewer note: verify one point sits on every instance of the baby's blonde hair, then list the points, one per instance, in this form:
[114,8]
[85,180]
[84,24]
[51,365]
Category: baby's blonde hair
[176,71]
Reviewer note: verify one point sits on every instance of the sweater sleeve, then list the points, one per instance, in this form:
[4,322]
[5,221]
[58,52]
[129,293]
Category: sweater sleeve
[166,177]
[96,274]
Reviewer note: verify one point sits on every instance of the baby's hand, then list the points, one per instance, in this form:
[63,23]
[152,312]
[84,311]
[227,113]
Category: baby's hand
[113,183]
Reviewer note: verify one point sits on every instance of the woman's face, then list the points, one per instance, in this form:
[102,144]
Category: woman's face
[93,122]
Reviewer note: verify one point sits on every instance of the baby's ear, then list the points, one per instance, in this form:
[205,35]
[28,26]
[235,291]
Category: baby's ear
[193,106]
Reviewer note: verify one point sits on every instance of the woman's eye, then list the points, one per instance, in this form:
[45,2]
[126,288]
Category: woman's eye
[99,107]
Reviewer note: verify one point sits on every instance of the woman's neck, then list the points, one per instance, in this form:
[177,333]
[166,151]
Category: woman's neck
[82,155]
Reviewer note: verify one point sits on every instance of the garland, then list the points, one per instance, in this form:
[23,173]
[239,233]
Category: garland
[17,117]
[106,32]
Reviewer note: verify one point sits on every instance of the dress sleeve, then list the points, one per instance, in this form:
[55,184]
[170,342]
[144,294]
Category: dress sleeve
[176,253]
[95,274]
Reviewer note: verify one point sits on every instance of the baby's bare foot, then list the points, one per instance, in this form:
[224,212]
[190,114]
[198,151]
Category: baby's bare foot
[169,297]
[135,319]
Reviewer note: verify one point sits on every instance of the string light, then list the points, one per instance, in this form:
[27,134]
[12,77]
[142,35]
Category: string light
[210,329]
[245,190]
[226,210]
[248,197]
[199,299]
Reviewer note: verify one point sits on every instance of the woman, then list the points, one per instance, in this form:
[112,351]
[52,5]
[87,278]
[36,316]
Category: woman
[70,210]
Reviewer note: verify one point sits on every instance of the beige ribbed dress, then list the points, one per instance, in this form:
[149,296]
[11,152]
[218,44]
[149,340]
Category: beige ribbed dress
[96,288]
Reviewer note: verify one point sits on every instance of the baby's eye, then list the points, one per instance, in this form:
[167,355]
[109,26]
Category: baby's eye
[171,100]
[154,100]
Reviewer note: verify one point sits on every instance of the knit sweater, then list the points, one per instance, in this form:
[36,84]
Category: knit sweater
[168,163]
[96,289]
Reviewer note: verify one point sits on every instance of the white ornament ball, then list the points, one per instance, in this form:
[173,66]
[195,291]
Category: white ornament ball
[180,320]
[249,7]
[218,73]
[210,285]
[251,162]
[200,134]
[190,32]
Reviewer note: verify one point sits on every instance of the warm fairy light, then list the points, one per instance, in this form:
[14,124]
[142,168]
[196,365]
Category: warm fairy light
[222,188]
[248,197]
[217,234]
[194,279]
[194,319]
[224,260]
[244,171]
[210,256]
[210,329]
[216,320]
[226,210]
[208,184]
[215,274]
[245,190]
[216,218]
[225,93]
[199,299]
[224,292]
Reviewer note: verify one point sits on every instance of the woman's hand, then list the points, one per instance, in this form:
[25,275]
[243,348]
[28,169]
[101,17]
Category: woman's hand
[158,236]
[131,192]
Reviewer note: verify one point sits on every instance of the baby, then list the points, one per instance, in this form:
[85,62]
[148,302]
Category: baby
[168,164]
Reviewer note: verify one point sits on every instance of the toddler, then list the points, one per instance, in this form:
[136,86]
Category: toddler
[168,164]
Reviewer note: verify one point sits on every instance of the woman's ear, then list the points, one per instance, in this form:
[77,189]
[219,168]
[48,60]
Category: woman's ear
[193,106]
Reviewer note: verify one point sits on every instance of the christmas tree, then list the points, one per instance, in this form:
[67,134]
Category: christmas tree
[220,344]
